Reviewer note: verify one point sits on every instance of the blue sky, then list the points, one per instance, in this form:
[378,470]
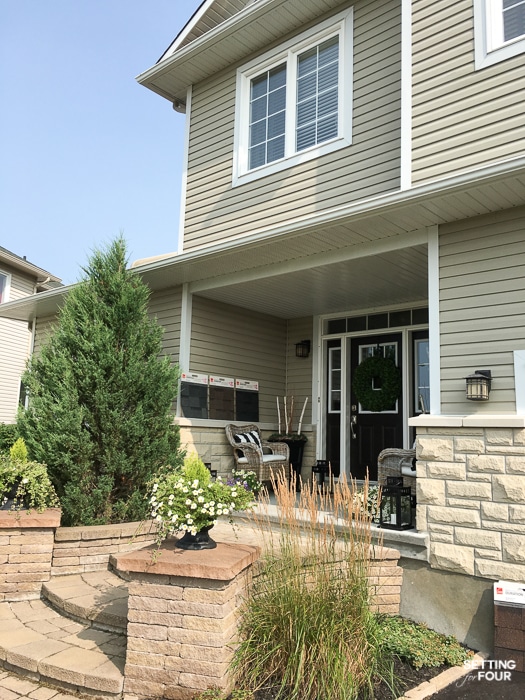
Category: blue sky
[86,152]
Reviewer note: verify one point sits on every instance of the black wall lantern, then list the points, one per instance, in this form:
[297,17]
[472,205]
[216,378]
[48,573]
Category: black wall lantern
[478,385]
[396,505]
[302,349]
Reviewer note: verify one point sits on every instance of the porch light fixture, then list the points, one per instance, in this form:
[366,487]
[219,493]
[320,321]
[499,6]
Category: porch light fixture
[302,349]
[396,505]
[478,385]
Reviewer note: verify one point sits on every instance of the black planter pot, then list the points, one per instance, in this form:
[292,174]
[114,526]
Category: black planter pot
[201,540]
[10,496]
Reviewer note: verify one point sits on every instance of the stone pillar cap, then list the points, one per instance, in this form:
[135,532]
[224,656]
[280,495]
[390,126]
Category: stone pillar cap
[221,564]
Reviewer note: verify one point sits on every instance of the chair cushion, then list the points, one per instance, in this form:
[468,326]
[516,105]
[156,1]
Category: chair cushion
[265,458]
[251,437]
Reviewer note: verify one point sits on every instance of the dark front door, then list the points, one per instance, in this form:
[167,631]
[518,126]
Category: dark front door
[373,430]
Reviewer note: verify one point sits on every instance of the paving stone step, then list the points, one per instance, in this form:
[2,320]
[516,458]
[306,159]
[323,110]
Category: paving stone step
[97,598]
[38,642]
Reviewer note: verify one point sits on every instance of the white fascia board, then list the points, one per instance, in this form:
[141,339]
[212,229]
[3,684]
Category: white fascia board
[181,36]
[184,180]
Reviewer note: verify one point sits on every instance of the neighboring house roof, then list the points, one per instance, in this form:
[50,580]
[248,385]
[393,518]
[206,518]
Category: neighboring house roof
[252,29]
[289,270]
[44,280]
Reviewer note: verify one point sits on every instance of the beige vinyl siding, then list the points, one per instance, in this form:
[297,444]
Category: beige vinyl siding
[234,342]
[482,307]
[44,328]
[462,118]
[370,166]
[299,369]
[14,347]
[165,306]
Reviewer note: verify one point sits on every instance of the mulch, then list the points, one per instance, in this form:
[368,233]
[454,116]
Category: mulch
[408,677]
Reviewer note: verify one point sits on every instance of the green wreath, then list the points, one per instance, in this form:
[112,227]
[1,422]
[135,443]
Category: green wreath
[389,376]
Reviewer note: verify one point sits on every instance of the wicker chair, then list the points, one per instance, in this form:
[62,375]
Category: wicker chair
[251,452]
[396,462]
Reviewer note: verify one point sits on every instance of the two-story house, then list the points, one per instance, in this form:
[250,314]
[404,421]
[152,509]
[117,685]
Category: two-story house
[354,186]
[18,279]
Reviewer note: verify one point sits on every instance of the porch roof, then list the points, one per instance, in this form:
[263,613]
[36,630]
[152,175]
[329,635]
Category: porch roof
[357,256]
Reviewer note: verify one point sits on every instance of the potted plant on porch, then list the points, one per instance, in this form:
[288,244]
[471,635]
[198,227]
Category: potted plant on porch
[295,440]
[189,501]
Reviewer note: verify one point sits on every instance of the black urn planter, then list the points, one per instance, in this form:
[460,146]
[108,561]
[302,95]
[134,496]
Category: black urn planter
[201,540]
[8,497]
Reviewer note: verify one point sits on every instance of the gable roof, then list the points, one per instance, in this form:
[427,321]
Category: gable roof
[251,29]
[207,16]
[44,279]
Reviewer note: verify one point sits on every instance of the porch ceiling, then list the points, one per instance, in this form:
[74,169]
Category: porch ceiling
[396,277]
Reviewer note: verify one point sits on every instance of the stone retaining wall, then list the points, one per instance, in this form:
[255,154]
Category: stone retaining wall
[26,548]
[471,499]
[81,549]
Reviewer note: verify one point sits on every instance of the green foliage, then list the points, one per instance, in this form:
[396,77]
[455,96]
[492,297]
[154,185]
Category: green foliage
[8,436]
[186,500]
[100,397]
[418,645]
[18,451]
[27,483]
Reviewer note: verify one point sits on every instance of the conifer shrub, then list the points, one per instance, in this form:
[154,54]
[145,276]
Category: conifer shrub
[99,412]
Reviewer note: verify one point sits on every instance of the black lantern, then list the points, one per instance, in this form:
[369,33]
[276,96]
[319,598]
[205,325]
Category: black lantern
[478,385]
[302,349]
[320,470]
[396,505]
[213,472]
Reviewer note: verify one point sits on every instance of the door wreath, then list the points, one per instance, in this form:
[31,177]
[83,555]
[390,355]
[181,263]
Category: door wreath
[389,376]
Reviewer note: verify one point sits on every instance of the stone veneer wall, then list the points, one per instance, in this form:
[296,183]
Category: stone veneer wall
[80,549]
[212,446]
[471,499]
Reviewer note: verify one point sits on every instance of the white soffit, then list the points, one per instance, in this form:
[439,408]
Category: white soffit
[252,29]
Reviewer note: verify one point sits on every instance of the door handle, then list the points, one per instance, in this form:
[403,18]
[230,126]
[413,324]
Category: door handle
[353,423]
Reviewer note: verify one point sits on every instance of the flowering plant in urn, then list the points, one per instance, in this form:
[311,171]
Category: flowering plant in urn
[187,500]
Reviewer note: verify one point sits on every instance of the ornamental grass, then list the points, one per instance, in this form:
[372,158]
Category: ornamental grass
[306,627]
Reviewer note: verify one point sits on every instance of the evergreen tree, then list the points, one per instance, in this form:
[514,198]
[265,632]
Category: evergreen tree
[100,397]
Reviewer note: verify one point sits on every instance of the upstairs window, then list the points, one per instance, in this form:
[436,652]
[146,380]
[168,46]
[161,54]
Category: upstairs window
[499,30]
[4,287]
[294,103]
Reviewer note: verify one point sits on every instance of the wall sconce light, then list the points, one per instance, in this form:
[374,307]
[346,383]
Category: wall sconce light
[302,349]
[478,385]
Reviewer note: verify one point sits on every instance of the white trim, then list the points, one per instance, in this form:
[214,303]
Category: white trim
[489,46]
[434,353]
[199,13]
[7,288]
[406,94]
[519,380]
[184,180]
[340,24]
[469,421]
[317,374]
[185,335]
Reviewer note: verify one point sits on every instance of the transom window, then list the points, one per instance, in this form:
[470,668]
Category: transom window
[499,30]
[294,103]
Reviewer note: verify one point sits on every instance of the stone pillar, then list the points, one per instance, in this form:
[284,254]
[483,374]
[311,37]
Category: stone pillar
[26,550]
[182,618]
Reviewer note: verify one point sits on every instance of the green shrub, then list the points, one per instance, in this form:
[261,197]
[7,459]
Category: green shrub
[8,436]
[26,483]
[418,645]
[101,395]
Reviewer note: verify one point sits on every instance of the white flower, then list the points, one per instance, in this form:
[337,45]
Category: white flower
[155,487]
[24,481]
[200,499]
[187,502]
[193,506]
[189,520]
[174,518]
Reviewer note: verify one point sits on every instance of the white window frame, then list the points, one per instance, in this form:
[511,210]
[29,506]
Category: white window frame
[7,289]
[341,25]
[489,46]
